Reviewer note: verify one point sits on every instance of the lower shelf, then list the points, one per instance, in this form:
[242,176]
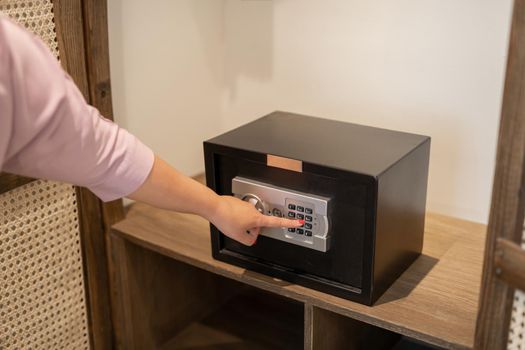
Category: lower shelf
[252,320]
[410,344]
[167,304]
[170,305]
[172,294]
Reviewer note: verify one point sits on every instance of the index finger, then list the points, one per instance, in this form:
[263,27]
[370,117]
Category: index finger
[272,221]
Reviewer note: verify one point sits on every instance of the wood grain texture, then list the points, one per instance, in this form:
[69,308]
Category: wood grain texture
[308,326]
[95,269]
[253,319]
[76,34]
[507,206]
[99,95]
[70,38]
[120,296]
[99,91]
[69,21]
[9,182]
[510,263]
[336,332]
[167,304]
[97,55]
[435,300]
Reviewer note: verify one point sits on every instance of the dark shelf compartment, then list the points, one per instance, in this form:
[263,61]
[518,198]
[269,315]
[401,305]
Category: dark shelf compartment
[251,320]
[168,305]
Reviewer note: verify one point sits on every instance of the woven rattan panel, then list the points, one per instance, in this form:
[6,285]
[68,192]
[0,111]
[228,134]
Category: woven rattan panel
[517,321]
[42,297]
[36,15]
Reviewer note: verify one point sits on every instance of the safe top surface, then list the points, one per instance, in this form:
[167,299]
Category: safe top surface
[346,146]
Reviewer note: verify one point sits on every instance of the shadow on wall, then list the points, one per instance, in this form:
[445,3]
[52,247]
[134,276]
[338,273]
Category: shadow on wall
[248,43]
[213,52]
[116,58]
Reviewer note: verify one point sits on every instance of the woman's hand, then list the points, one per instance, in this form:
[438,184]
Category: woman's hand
[166,188]
[240,220]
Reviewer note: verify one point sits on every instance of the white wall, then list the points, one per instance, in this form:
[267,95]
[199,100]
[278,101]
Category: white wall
[432,67]
[166,74]
[185,70]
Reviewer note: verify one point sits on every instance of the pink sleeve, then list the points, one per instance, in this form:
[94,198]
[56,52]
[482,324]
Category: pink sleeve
[47,130]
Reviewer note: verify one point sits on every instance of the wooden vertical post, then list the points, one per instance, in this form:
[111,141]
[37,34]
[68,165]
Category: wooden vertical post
[95,19]
[507,208]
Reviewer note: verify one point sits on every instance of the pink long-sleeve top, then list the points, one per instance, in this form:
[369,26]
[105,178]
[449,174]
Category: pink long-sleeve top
[47,130]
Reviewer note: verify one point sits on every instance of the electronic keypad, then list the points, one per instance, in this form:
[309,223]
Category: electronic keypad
[282,202]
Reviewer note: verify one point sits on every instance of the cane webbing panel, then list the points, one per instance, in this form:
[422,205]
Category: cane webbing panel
[517,321]
[42,302]
[36,16]
[42,297]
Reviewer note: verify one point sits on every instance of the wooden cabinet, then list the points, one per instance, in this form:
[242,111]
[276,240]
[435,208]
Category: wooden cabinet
[172,294]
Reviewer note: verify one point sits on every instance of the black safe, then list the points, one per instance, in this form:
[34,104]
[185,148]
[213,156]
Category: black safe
[361,191]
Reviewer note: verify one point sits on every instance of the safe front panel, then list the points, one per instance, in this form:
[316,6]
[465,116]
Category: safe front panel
[348,194]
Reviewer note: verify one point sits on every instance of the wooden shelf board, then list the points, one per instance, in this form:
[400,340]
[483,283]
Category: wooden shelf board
[271,323]
[435,300]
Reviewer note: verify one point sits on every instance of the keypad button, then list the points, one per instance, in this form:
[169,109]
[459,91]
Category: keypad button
[308,226]
[300,231]
[308,218]
[308,233]
[291,214]
[299,208]
[308,210]
[291,230]
[291,206]
[300,216]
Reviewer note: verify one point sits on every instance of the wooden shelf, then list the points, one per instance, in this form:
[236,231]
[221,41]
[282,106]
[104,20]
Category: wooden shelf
[273,323]
[435,300]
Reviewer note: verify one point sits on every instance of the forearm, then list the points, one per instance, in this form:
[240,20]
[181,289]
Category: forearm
[47,130]
[167,188]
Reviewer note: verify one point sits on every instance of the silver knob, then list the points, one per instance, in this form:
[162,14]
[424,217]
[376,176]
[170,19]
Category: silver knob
[256,201]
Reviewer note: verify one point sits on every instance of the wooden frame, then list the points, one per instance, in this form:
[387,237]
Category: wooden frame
[10,181]
[70,35]
[509,261]
[82,32]
[99,216]
[445,278]
[507,208]
[81,29]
